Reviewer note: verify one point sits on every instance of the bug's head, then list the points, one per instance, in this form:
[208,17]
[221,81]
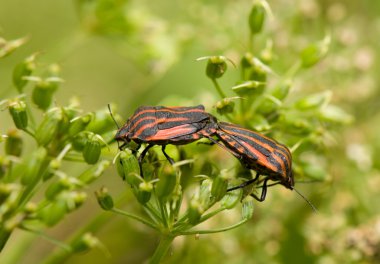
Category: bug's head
[288,181]
[122,135]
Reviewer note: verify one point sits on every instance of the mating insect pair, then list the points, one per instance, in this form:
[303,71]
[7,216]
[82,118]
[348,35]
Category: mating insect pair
[159,125]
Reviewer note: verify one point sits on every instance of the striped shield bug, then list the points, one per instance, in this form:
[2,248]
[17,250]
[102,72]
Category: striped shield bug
[160,125]
[260,153]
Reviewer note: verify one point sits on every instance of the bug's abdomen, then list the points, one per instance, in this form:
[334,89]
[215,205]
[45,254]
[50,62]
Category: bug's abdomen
[256,151]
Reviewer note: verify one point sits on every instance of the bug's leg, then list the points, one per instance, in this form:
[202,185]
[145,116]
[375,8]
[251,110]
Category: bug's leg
[263,193]
[244,184]
[141,158]
[134,151]
[122,145]
[171,161]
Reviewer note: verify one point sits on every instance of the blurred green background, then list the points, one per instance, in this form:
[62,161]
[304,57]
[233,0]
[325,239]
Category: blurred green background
[143,52]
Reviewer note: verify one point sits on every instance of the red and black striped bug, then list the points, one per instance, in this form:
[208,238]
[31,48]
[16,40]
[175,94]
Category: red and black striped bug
[260,153]
[160,125]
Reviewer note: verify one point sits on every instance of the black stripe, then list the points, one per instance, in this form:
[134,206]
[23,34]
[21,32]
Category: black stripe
[236,129]
[230,142]
[245,138]
[149,131]
[135,118]
[170,124]
[192,117]
[251,157]
[286,163]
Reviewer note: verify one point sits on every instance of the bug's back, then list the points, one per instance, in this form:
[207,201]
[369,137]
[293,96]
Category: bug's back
[257,152]
[161,124]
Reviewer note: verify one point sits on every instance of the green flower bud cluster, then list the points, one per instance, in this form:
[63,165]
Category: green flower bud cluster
[61,135]
[163,197]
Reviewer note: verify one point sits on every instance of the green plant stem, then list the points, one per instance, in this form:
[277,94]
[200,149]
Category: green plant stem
[293,70]
[30,133]
[218,88]
[223,229]
[4,236]
[15,251]
[48,238]
[135,217]
[162,249]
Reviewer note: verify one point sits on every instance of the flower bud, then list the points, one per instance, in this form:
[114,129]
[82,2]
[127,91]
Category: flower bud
[30,208]
[246,61]
[13,143]
[281,90]
[104,199]
[7,47]
[43,93]
[225,106]
[94,172]
[195,211]
[266,55]
[128,167]
[204,195]
[92,149]
[54,70]
[247,208]
[32,172]
[78,124]
[166,184]
[53,212]
[258,72]
[6,189]
[334,114]
[67,114]
[64,183]
[19,115]
[216,67]
[219,185]
[231,199]
[144,192]
[79,140]
[314,101]
[74,199]
[256,18]
[315,52]
[248,88]
[48,128]
[23,69]
[84,243]
[54,165]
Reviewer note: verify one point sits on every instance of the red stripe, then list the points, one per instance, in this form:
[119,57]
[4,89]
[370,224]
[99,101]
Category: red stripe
[172,132]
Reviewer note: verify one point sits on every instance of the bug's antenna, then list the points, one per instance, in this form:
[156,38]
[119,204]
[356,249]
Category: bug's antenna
[113,118]
[308,181]
[311,205]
